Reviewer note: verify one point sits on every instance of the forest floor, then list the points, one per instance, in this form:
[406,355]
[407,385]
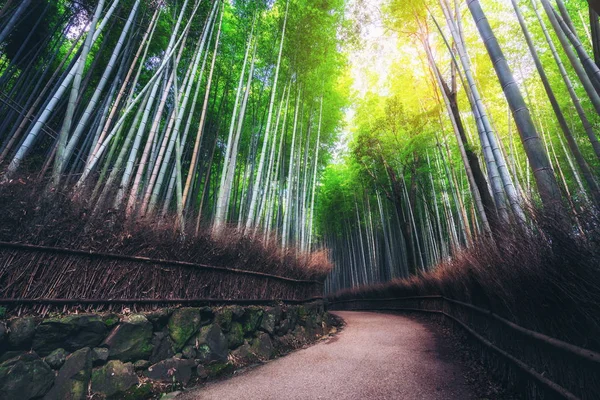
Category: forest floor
[376,356]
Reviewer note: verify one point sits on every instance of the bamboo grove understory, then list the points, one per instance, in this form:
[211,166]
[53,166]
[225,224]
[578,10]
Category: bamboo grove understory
[211,113]
[489,112]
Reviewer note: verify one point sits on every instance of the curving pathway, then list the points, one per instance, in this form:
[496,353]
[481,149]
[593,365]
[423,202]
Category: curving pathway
[376,356]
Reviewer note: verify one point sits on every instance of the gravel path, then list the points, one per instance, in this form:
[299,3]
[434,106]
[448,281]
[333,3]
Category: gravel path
[376,356]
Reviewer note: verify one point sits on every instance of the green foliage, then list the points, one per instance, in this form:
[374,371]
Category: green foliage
[339,184]
[402,145]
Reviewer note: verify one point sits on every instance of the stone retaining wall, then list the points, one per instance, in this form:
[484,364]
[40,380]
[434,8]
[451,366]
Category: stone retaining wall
[136,356]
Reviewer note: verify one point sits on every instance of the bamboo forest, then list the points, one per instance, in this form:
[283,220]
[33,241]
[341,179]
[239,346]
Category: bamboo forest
[246,166]
[393,133]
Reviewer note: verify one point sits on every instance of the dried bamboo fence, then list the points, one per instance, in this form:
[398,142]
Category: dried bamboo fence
[538,366]
[42,278]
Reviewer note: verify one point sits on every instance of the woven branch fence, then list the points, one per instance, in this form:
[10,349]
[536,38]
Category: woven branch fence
[538,366]
[40,278]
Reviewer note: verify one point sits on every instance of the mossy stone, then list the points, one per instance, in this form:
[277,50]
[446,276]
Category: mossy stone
[10,354]
[141,392]
[203,353]
[268,321]
[188,352]
[262,346]
[159,318]
[201,372]
[25,377]
[331,320]
[300,334]
[319,318]
[212,337]
[173,369]
[218,369]
[183,324]
[110,320]
[243,354]
[252,319]
[224,318]
[21,332]
[141,365]
[162,347]
[53,333]
[56,359]
[235,336]
[131,339]
[284,327]
[99,355]
[72,333]
[291,314]
[303,314]
[113,378]
[73,377]
[237,311]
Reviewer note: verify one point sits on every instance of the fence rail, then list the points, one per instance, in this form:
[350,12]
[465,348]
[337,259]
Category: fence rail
[146,260]
[34,276]
[539,365]
[196,302]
